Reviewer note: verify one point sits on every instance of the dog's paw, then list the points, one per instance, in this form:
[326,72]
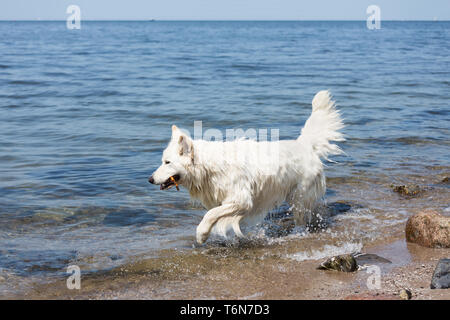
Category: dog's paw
[202,235]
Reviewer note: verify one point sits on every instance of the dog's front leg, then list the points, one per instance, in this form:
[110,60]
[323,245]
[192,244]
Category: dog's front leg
[211,217]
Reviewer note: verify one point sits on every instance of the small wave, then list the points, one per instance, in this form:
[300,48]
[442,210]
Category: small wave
[361,121]
[56,74]
[249,67]
[45,93]
[154,103]
[413,140]
[26,82]
[82,53]
[438,112]
[327,251]
[101,93]
[299,104]
[185,78]
[11,106]
[8,158]
[108,93]
[416,140]
[407,84]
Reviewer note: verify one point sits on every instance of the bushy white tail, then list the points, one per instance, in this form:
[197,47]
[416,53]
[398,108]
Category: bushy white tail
[323,126]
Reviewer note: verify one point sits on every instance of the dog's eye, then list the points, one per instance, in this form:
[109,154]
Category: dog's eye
[166,162]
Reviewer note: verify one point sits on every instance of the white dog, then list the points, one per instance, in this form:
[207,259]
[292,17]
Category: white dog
[238,188]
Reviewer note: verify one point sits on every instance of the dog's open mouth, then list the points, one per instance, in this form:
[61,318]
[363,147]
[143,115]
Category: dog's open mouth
[169,183]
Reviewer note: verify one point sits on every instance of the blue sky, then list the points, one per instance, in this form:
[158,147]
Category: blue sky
[225,9]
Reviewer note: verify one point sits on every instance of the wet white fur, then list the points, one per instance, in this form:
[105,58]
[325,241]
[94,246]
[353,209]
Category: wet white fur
[238,192]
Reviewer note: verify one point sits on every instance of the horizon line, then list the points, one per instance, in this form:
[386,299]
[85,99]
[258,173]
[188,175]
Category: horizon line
[221,20]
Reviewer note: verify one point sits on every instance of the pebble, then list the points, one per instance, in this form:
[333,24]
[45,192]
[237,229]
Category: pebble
[405,294]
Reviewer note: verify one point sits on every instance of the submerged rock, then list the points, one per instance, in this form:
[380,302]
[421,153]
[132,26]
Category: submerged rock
[429,229]
[345,263]
[446,180]
[281,229]
[341,207]
[405,294]
[441,275]
[369,258]
[408,190]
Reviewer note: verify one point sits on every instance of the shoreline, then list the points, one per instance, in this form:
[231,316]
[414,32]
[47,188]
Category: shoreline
[227,273]
[282,267]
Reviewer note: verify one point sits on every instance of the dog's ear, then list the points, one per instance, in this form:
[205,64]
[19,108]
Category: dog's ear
[185,144]
[175,132]
[186,147]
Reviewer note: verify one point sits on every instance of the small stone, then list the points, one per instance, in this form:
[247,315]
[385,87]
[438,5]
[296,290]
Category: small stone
[446,180]
[429,229]
[345,263]
[405,294]
[441,275]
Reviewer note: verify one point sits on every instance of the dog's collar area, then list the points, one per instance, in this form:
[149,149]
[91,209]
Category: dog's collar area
[169,183]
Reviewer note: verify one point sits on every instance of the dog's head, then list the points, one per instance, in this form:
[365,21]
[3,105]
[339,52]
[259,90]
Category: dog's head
[178,155]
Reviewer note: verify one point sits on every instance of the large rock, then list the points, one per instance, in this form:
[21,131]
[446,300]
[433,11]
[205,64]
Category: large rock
[441,275]
[429,229]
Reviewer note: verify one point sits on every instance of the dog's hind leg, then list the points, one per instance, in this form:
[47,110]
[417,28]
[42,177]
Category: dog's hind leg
[304,200]
[211,218]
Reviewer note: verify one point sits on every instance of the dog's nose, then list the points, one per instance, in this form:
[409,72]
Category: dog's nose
[151,180]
